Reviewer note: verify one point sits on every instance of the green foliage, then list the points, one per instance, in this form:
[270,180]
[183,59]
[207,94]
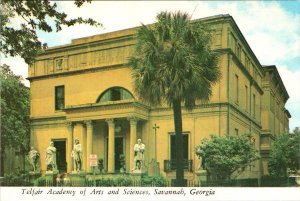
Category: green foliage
[14,111]
[41,181]
[123,181]
[18,178]
[35,16]
[156,181]
[231,183]
[108,182]
[285,154]
[223,155]
[173,60]
[105,182]
[270,181]
[100,165]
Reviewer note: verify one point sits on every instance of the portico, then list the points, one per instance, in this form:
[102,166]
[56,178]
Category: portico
[99,125]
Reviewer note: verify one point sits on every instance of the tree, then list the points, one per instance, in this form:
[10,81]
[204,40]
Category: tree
[224,155]
[285,154]
[174,64]
[15,129]
[36,15]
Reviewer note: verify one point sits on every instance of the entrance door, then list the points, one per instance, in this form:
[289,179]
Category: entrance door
[118,151]
[60,146]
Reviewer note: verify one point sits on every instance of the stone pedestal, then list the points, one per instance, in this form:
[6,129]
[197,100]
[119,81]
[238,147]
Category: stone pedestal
[51,178]
[34,175]
[201,177]
[153,168]
[136,176]
[77,179]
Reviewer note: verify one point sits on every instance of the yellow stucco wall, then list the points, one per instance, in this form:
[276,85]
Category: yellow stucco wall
[93,64]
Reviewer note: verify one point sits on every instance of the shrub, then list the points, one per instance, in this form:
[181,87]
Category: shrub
[41,181]
[17,179]
[285,154]
[104,182]
[157,181]
[123,181]
[224,155]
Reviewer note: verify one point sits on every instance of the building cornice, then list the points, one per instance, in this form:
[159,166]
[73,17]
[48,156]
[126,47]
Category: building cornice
[113,104]
[273,69]
[84,46]
[80,71]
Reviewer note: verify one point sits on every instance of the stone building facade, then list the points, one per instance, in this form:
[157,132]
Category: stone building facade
[84,90]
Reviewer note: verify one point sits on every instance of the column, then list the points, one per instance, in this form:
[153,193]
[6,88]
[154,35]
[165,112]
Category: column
[133,123]
[111,146]
[89,143]
[70,126]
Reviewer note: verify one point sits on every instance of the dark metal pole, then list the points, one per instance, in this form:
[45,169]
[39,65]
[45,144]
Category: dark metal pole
[155,127]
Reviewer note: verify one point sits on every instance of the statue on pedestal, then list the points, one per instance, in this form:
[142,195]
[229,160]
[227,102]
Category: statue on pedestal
[51,157]
[33,157]
[77,155]
[139,150]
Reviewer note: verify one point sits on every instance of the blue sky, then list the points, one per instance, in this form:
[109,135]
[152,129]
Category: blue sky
[270,27]
[291,6]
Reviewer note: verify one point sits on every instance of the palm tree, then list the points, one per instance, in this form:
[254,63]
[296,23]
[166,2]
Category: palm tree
[173,64]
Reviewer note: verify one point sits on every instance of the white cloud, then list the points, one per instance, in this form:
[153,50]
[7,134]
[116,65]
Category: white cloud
[292,84]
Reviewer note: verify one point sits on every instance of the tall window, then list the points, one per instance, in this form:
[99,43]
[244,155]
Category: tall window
[271,103]
[254,104]
[237,88]
[185,148]
[59,97]
[247,63]
[239,51]
[236,131]
[246,98]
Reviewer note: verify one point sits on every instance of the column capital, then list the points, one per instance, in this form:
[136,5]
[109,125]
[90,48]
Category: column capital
[110,122]
[88,123]
[132,120]
[69,124]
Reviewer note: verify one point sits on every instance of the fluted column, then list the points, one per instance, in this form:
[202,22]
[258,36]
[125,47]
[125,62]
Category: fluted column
[89,143]
[111,146]
[133,123]
[70,127]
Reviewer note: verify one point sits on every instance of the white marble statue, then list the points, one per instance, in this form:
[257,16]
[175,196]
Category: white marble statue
[77,155]
[33,157]
[51,157]
[139,150]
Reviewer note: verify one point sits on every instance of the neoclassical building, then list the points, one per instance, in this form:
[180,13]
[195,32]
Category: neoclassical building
[84,90]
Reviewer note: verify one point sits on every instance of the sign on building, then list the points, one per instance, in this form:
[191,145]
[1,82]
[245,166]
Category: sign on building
[93,160]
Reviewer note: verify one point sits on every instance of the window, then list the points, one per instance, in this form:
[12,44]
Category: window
[272,103]
[246,98]
[114,94]
[237,88]
[59,97]
[254,103]
[185,148]
[247,64]
[236,131]
[255,74]
[239,51]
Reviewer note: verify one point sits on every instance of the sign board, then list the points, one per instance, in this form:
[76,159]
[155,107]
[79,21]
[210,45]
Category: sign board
[93,160]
